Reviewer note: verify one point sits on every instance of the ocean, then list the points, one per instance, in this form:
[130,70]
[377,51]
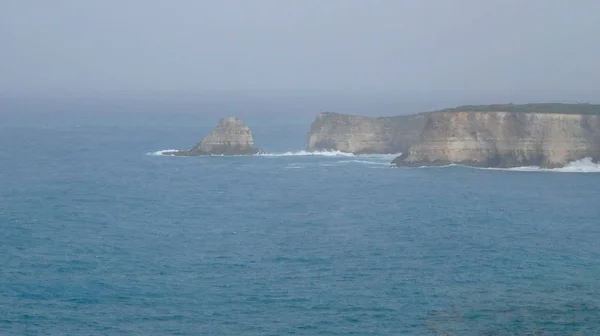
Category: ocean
[102,235]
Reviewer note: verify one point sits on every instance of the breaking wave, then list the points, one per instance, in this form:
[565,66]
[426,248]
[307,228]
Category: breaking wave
[331,154]
[368,162]
[163,152]
[585,165]
[307,153]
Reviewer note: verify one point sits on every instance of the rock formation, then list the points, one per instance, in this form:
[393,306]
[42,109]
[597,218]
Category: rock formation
[364,135]
[545,135]
[231,137]
[505,139]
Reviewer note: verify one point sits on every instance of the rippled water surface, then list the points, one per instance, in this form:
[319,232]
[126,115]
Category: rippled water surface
[102,237]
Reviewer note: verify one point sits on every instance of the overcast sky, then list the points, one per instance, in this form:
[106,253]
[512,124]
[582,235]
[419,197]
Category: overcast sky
[348,46]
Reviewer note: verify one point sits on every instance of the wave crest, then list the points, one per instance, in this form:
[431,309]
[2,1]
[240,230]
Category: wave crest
[333,154]
[330,154]
[585,165]
[163,152]
[307,153]
[367,162]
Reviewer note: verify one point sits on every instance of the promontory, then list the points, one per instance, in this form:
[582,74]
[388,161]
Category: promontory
[230,137]
[507,135]
[364,135]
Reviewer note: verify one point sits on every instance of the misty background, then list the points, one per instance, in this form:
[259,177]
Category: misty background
[290,60]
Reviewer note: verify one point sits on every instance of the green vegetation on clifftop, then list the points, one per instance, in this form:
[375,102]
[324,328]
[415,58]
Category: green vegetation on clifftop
[559,108]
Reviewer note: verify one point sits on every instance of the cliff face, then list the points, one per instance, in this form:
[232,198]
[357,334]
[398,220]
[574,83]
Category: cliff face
[505,139]
[231,137]
[362,135]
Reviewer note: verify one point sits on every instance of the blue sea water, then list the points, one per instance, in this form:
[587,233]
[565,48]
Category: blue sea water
[99,236]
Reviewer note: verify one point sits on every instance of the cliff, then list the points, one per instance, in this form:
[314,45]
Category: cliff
[491,138]
[230,137]
[362,135]
[501,135]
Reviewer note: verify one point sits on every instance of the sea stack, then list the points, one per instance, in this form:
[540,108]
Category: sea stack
[230,137]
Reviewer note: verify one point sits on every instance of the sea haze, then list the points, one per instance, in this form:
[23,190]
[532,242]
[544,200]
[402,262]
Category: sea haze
[102,235]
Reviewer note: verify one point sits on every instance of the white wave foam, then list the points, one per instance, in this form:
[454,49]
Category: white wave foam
[301,153]
[443,166]
[331,154]
[366,162]
[307,153]
[585,165]
[163,152]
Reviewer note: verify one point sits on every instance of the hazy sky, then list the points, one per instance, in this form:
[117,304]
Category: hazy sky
[349,46]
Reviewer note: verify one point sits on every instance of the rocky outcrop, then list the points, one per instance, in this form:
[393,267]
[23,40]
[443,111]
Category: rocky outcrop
[505,139]
[364,135]
[231,137]
[509,135]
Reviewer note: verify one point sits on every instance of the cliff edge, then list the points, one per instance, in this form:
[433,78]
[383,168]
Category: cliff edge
[230,137]
[364,135]
[491,138]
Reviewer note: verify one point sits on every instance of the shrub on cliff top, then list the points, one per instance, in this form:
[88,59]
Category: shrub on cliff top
[583,108]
